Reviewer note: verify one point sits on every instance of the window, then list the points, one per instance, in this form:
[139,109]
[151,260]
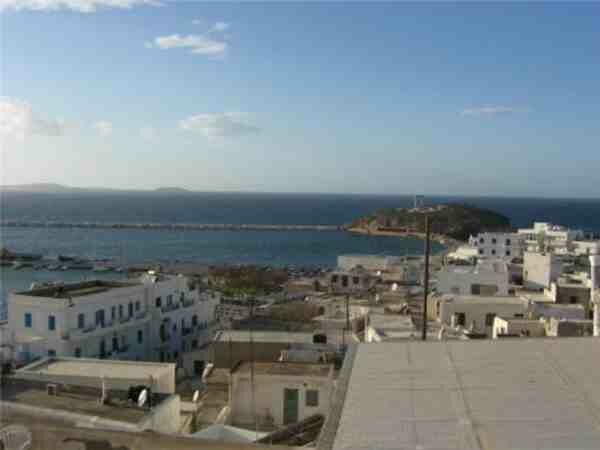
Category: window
[28,320]
[518,316]
[181,297]
[461,319]
[312,397]
[195,343]
[194,320]
[507,252]
[115,344]
[481,251]
[81,321]
[334,278]
[130,309]
[572,300]
[113,313]
[137,305]
[51,323]
[120,311]
[140,336]
[100,317]
[344,281]
[174,327]
[493,251]
[494,241]
[481,240]
[169,300]
[355,280]
[158,302]
[489,319]
[508,242]
[77,352]
[51,353]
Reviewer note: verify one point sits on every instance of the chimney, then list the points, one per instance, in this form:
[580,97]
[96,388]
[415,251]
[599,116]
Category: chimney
[595,293]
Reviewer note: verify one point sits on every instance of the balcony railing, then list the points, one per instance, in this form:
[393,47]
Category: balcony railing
[102,327]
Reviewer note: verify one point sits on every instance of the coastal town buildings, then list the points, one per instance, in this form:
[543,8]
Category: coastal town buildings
[152,318]
[354,281]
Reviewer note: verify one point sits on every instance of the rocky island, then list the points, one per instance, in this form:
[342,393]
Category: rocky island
[448,221]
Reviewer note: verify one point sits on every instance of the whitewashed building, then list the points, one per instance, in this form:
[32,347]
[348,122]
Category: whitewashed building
[554,238]
[283,393]
[488,277]
[154,318]
[541,269]
[478,313]
[499,245]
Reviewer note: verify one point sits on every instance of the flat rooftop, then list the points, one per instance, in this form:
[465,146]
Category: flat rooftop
[286,368]
[526,394]
[480,299]
[77,400]
[96,368]
[264,336]
[74,290]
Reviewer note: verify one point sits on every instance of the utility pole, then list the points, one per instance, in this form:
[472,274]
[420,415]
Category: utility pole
[348,313]
[426,276]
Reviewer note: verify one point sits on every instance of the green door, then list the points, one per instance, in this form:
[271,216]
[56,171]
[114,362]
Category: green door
[290,406]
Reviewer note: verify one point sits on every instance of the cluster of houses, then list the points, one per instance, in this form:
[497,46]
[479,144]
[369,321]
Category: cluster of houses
[160,353]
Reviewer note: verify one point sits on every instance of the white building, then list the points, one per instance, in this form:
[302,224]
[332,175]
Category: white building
[540,269]
[499,245]
[354,281]
[478,313]
[155,318]
[283,393]
[488,277]
[509,326]
[554,238]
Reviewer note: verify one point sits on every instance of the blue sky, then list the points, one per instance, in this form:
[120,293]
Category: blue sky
[474,99]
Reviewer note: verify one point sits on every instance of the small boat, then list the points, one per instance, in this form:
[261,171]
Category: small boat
[119,269]
[53,267]
[18,265]
[101,269]
[64,268]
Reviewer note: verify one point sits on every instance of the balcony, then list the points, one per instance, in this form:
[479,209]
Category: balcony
[169,308]
[100,329]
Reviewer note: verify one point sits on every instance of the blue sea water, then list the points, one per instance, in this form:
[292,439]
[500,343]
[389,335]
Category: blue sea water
[264,247]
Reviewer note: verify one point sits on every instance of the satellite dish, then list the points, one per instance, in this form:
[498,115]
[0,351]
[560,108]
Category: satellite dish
[141,401]
[196,396]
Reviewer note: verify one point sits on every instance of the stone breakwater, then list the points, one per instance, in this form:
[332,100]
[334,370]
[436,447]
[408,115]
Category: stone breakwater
[169,226]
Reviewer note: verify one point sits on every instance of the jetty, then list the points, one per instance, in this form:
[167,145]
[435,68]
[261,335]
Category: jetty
[169,226]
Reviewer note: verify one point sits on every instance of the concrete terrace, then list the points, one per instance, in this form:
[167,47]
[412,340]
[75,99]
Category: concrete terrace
[472,395]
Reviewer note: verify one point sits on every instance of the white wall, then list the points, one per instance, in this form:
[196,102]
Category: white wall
[477,311]
[450,281]
[540,269]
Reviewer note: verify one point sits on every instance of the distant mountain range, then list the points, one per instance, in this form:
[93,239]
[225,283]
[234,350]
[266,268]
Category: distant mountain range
[53,188]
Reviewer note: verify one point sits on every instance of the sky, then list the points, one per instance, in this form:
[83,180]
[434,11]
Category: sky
[392,98]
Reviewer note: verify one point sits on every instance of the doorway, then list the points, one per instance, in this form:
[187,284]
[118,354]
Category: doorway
[290,406]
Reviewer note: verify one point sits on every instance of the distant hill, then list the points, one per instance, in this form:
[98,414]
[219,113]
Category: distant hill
[54,188]
[174,190]
[457,221]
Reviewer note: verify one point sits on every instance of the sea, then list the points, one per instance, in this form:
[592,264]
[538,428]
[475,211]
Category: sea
[276,248]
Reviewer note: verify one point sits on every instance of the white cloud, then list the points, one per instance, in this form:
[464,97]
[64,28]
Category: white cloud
[103,127]
[492,110]
[83,6]
[148,134]
[219,125]
[18,121]
[197,44]
[219,27]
